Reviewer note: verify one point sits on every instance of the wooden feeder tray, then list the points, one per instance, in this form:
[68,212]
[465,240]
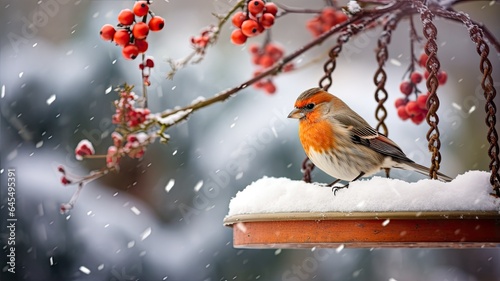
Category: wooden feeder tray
[457,229]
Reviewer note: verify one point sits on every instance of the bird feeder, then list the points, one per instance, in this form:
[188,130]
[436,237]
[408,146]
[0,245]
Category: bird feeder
[457,228]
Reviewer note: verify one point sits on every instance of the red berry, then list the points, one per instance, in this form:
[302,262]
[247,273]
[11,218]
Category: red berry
[269,87]
[412,108]
[422,101]
[150,62]
[417,119]
[126,17]
[65,180]
[406,87]
[399,102]
[423,59]
[254,49]
[250,28]
[328,17]
[315,27]
[442,76]
[402,112]
[238,18]
[274,51]
[107,32]
[140,30]
[256,59]
[255,7]
[416,77]
[266,61]
[288,67]
[142,45]
[341,17]
[237,37]
[130,51]
[271,8]
[121,37]
[141,8]
[267,20]
[156,23]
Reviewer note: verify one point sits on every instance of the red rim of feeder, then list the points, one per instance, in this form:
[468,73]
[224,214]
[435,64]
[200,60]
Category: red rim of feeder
[456,229]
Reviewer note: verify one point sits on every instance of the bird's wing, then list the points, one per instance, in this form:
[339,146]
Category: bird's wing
[364,134]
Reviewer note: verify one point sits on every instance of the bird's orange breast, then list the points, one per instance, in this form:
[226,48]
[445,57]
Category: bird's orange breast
[317,135]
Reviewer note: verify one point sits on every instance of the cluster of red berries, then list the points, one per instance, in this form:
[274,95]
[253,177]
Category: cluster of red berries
[134,147]
[126,113]
[265,57]
[132,33]
[258,17]
[416,110]
[323,22]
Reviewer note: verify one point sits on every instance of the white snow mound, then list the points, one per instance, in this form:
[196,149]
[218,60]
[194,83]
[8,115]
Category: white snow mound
[468,192]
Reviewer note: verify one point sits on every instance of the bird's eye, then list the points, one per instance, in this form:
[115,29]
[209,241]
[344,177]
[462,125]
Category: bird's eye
[310,106]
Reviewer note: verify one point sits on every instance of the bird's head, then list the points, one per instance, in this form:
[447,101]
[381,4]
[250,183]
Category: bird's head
[314,104]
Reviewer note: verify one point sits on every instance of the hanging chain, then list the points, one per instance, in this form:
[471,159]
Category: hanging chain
[380,76]
[477,36]
[432,66]
[487,85]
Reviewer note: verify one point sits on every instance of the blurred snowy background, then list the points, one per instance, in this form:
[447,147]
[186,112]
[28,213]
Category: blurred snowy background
[126,226]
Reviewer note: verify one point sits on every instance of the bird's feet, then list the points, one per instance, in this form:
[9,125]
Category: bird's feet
[336,188]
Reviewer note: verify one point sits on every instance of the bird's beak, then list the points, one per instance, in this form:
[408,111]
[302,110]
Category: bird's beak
[296,113]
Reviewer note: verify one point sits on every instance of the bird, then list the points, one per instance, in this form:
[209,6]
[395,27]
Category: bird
[342,144]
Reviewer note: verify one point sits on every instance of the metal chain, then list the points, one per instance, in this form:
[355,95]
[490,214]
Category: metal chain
[326,81]
[380,76]
[477,36]
[307,167]
[486,68]
[432,66]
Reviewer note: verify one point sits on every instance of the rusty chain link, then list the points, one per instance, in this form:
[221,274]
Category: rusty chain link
[432,66]
[477,36]
[326,81]
[380,76]
[487,84]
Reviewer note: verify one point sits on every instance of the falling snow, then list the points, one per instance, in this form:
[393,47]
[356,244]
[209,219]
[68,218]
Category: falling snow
[198,186]
[340,248]
[145,234]
[395,62]
[169,185]
[135,210]
[51,99]
[84,270]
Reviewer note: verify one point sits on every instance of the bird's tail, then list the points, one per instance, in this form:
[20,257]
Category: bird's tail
[425,171]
